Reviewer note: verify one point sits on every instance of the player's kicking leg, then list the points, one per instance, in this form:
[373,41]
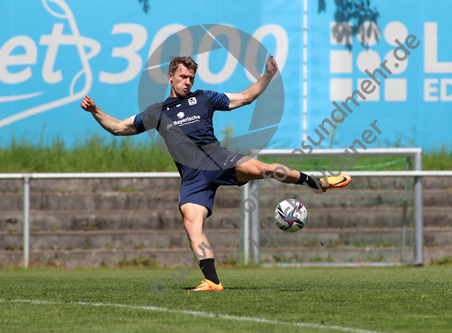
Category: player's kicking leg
[255,169]
[194,216]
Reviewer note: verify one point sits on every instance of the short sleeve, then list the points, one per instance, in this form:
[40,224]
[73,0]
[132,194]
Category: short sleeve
[138,123]
[220,101]
[148,119]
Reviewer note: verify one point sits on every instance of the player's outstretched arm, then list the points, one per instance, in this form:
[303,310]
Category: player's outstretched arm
[109,123]
[249,95]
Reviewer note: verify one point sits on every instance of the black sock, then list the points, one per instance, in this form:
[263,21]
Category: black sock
[308,181]
[208,268]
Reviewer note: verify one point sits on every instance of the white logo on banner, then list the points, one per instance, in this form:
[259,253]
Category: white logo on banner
[49,75]
[66,32]
[341,62]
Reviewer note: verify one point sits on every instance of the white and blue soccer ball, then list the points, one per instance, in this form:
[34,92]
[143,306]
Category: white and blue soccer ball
[291,215]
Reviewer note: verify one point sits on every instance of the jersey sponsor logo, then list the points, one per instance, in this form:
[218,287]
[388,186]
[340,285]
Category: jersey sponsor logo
[180,115]
[192,101]
[186,121]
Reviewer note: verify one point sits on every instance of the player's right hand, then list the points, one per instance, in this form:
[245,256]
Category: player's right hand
[88,104]
[271,66]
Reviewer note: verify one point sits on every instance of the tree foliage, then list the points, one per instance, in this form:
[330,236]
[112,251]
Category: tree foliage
[356,12]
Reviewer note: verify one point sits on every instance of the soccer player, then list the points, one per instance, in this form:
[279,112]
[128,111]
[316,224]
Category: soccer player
[184,120]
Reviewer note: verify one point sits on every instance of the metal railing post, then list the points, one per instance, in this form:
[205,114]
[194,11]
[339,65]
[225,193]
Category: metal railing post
[405,203]
[26,219]
[255,235]
[418,217]
[305,69]
[246,226]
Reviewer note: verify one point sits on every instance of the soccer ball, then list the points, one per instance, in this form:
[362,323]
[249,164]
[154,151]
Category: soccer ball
[290,215]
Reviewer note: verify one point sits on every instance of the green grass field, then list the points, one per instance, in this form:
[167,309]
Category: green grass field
[396,299]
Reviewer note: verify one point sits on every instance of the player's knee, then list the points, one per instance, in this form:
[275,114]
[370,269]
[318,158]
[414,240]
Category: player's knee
[192,226]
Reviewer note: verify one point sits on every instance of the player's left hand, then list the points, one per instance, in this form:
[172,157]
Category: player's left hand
[271,67]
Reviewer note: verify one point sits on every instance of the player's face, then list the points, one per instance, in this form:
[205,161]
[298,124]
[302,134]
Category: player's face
[181,81]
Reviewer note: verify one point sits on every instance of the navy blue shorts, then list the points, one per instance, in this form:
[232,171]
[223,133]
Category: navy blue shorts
[201,185]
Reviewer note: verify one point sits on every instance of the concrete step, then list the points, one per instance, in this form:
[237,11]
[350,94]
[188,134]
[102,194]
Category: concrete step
[161,219]
[51,220]
[349,254]
[362,237]
[345,254]
[126,257]
[226,198]
[108,185]
[155,199]
[163,239]
[178,257]
[158,219]
[355,198]
[349,217]
[126,239]
[92,201]
[91,185]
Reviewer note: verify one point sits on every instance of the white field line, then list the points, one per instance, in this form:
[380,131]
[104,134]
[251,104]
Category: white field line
[198,313]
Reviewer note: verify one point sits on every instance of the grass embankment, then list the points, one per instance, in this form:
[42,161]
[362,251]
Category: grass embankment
[126,155]
[93,155]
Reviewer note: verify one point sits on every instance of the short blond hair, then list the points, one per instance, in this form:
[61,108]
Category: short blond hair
[184,60]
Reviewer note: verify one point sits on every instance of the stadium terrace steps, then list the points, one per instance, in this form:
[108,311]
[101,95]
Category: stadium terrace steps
[91,185]
[348,255]
[169,219]
[109,220]
[93,201]
[227,198]
[177,257]
[362,237]
[121,239]
[160,184]
[127,257]
[376,217]
[169,239]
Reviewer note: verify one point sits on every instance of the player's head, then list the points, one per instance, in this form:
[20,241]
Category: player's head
[182,71]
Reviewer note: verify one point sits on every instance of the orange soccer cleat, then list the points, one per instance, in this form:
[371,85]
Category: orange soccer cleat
[335,182]
[207,285]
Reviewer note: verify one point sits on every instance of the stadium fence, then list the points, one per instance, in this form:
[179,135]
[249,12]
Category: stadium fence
[107,175]
[253,228]
[251,225]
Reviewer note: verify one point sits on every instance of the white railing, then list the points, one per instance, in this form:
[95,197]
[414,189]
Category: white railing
[28,176]
[251,225]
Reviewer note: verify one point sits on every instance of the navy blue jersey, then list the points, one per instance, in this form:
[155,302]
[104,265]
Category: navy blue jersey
[186,126]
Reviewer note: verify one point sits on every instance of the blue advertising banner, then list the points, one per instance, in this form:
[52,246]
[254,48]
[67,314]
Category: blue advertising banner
[410,99]
[53,52]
